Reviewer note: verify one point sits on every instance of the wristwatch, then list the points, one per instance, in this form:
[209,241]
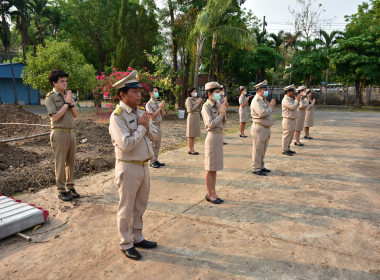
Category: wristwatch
[70,106]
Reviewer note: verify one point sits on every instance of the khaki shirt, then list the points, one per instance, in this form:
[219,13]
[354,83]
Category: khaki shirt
[212,119]
[192,106]
[261,112]
[152,107]
[54,102]
[310,106]
[242,100]
[289,108]
[302,104]
[131,141]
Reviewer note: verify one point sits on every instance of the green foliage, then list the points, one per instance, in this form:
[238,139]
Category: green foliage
[58,56]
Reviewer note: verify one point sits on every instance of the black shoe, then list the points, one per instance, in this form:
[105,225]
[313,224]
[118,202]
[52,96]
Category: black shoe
[261,173]
[194,154]
[308,137]
[300,144]
[132,253]
[64,196]
[146,244]
[155,164]
[160,163]
[265,170]
[244,136]
[216,201]
[292,152]
[224,143]
[287,153]
[73,193]
[221,200]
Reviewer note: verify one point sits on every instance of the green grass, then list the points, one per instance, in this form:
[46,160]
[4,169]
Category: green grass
[16,194]
[277,117]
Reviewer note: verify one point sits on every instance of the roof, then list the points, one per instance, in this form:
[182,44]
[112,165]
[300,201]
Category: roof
[6,73]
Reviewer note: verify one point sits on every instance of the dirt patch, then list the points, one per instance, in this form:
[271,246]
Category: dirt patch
[28,165]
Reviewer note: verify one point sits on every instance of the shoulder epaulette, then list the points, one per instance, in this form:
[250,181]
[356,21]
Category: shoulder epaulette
[207,103]
[47,95]
[118,110]
[142,108]
[150,101]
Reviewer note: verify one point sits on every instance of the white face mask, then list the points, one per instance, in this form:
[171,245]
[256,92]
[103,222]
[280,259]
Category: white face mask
[304,94]
[194,94]
[244,93]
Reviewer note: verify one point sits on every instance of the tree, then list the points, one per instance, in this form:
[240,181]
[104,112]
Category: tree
[278,40]
[329,40]
[39,10]
[58,56]
[5,36]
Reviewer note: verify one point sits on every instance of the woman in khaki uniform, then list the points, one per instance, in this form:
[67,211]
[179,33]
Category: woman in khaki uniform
[214,116]
[309,119]
[193,107]
[301,115]
[243,113]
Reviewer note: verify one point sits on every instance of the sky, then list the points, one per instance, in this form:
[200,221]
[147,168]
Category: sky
[277,14]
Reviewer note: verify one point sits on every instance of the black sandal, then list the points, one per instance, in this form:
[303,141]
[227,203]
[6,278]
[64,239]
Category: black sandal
[194,154]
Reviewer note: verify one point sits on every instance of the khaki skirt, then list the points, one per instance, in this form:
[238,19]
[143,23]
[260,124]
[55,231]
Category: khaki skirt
[309,119]
[214,151]
[243,113]
[193,125]
[300,120]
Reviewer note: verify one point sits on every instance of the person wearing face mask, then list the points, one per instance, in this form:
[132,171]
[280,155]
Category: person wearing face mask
[309,119]
[262,117]
[193,107]
[243,113]
[157,112]
[214,116]
[289,116]
[301,115]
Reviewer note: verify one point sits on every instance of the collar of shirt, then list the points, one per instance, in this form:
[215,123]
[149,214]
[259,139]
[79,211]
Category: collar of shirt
[56,91]
[125,107]
[211,103]
[152,101]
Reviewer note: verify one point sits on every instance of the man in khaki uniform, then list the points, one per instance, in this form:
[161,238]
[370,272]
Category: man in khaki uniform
[157,112]
[289,116]
[301,114]
[131,132]
[262,117]
[62,110]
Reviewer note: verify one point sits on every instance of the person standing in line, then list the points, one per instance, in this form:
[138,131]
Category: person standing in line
[301,113]
[193,107]
[289,116]
[262,117]
[132,133]
[63,111]
[214,116]
[309,119]
[157,112]
[243,113]
[223,100]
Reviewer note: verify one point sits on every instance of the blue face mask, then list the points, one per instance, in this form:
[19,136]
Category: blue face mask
[156,94]
[216,97]
[266,93]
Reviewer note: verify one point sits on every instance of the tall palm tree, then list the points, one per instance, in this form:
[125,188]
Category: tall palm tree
[328,41]
[39,10]
[5,36]
[276,44]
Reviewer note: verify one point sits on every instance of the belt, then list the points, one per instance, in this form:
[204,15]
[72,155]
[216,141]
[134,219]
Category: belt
[62,129]
[216,131]
[262,125]
[138,162]
[289,118]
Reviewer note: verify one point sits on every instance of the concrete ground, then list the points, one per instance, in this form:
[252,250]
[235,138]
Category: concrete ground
[316,216]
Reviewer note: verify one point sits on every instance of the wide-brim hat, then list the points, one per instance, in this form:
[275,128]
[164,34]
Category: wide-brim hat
[128,82]
[263,84]
[212,85]
[289,88]
[301,88]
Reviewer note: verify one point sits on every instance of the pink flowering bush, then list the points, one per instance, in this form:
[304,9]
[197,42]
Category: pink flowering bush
[105,90]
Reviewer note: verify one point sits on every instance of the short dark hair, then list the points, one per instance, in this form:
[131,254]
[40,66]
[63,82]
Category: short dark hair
[152,88]
[211,90]
[190,90]
[56,74]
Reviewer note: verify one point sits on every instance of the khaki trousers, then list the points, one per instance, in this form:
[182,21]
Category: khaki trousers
[288,127]
[261,136]
[64,145]
[133,183]
[157,144]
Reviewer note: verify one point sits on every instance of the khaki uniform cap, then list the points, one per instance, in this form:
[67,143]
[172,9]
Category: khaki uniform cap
[129,81]
[300,88]
[212,85]
[291,87]
[263,84]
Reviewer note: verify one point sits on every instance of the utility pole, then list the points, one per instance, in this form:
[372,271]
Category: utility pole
[264,24]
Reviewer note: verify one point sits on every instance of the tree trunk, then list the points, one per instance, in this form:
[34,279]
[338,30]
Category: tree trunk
[274,77]
[211,71]
[357,94]
[200,41]
[24,24]
[174,51]
[13,79]
[185,83]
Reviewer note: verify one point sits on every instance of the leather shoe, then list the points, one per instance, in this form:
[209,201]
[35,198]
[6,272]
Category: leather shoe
[300,144]
[146,244]
[244,136]
[132,253]
[261,173]
[221,200]
[287,153]
[64,196]
[73,193]
[194,154]
[292,152]
[265,170]
[155,164]
[216,201]
[308,137]
[224,143]
[160,163]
